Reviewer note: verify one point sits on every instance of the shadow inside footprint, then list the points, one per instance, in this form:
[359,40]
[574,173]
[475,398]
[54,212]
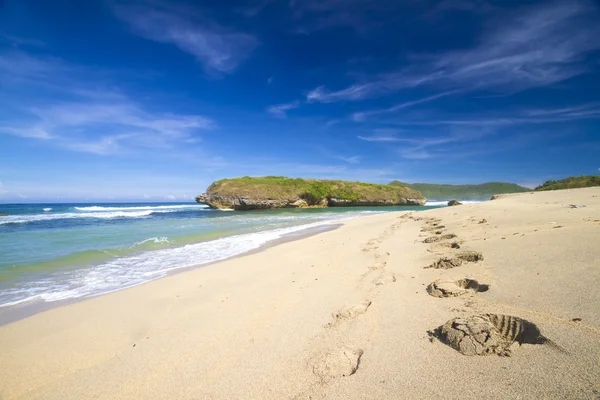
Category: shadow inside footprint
[435,227]
[470,256]
[433,239]
[487,334]
[440,288]
[453,245]
[447,262]
[472,284]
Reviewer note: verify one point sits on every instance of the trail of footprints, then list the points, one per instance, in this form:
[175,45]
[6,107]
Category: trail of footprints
[340,361]
[481,334]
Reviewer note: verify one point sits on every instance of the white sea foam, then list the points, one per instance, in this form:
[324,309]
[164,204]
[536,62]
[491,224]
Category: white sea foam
[436,203]
[161,240]
[129,271]
[133,208]
[47,209]
[22,219]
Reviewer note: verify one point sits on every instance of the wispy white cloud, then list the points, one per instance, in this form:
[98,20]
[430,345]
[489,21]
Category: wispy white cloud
[309,16]
[33,132]
[509,117]
[361,116]
[330,153]
[354,92]
[582,110]
[22,67]
[425,142]
[17,41]
[219,49]
[383,85]
[379,138]
[125,112]
[102,146]
[418,146]
[530,47]
[280,110]
[254,8]
[101,128]
[350,160]
[444,6]
[94,119]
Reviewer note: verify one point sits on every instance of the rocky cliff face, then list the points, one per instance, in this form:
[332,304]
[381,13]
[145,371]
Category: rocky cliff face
[247,203]
[332,202]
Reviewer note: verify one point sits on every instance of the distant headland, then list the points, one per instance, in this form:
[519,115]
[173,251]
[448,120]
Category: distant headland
[463,192]
[270,192]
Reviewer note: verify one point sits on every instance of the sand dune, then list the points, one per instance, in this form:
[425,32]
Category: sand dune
[352,313]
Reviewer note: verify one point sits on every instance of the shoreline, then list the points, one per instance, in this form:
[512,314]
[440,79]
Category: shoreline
[28,308]
[92,277]
[343,314]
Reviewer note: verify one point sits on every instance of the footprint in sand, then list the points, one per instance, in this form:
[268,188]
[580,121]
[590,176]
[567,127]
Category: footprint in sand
[372,245]
[352,311]
[378,266]
[434,239]
[453,245]
[447,262]
[447,288]
[336,363]
[384,279]
[434,227]
[487,334]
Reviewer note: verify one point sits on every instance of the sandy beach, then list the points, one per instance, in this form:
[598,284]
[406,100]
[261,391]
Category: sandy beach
[343,314]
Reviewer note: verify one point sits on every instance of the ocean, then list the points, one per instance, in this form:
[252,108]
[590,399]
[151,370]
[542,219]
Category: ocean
[54,252]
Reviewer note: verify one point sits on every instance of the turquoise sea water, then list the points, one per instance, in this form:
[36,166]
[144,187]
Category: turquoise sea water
[51,252]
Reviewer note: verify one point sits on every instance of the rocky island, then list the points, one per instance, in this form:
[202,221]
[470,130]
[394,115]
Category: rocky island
[271,192]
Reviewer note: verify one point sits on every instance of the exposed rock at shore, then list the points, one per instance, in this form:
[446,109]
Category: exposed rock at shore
[279,192]
[357,203]
[247,203]
[454,203]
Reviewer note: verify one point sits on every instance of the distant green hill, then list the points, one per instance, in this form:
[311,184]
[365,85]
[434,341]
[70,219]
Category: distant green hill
[463,192]
[571,182]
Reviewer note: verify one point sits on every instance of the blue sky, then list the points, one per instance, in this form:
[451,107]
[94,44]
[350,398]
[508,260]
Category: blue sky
[153,100]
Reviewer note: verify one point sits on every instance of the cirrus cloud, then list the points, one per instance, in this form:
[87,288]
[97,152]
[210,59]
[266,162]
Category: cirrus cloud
[219,49]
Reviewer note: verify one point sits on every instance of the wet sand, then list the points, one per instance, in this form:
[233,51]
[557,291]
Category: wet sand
[15,313]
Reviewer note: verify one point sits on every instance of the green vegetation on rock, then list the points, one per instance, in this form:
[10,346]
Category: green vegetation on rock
[463,192]
[571,182]
[278,191]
